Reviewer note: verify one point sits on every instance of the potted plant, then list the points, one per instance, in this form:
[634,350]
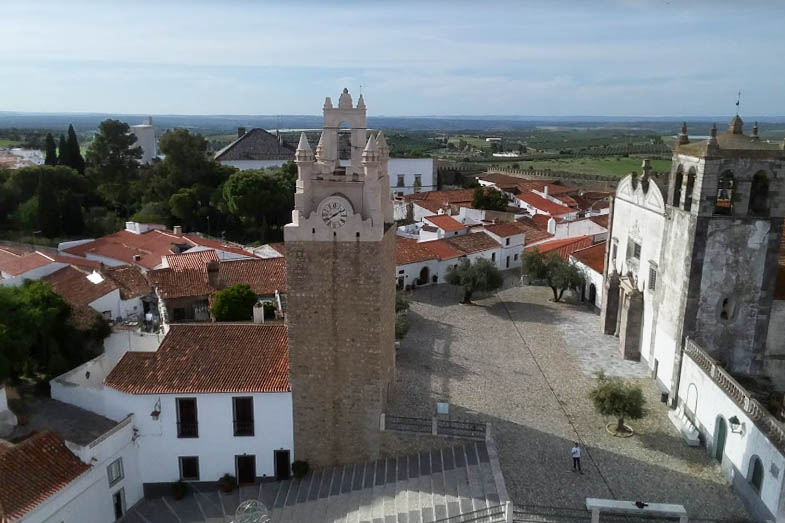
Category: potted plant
[179,489]
[227,482]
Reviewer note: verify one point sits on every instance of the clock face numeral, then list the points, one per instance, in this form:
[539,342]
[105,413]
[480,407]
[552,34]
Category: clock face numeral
[334,213]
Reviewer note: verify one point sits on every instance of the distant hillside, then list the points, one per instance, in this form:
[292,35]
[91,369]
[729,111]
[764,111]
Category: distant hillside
[211,125]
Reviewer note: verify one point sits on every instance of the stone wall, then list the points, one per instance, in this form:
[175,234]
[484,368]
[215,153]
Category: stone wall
[341,345]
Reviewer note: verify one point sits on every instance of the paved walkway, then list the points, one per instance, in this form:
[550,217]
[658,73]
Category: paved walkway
[527,364]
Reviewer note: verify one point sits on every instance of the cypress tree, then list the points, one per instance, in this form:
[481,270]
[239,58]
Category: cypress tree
[72,219]
[75,159]
[62,151]
[51,150]
[48,209]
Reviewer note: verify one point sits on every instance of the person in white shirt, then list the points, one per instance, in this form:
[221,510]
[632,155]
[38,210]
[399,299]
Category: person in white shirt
[576,458]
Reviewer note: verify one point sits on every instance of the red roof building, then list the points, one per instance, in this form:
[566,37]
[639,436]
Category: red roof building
[543,205]
[593,257]
[208,358]
[32,471]
[471,243]
[445,223]
[563,247]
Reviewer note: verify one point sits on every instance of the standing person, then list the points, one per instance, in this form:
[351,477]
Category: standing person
[576,458]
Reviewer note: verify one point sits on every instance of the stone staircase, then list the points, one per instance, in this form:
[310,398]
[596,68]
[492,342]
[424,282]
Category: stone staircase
[433,485]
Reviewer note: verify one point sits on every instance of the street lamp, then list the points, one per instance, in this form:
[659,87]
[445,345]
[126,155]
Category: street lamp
[736,426]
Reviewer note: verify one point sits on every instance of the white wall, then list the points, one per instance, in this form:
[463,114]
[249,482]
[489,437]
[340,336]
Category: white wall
[88,499]
[145,138]
[705,402]
[119,308]
[411,271]
[578,228]
[216,446]
[418,213]
[408,167]
[34,274]
[592,277]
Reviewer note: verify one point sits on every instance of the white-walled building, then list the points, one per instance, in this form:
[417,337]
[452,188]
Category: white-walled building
[145,138]
[410,175]
[591,261]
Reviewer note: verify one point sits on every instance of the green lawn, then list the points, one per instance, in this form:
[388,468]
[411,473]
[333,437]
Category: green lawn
[4,142]
[609,166]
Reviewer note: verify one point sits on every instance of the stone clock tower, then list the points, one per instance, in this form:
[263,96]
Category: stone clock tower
[340,264]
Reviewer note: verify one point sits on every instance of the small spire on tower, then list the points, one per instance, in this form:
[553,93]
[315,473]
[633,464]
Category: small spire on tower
[361,102]
[713,137]
[381,142]
[303,152]
[683,138]
[370,153]
[328,103]
[320,146]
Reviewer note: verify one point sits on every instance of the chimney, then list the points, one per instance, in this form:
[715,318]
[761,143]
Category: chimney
[545,189]
[240,132]
[177,229]
[137,257]
[213,275]
[258,312]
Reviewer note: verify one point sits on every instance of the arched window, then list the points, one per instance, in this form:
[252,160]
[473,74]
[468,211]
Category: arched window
[689,188]
[679,178]
[756,473]
[759,195]
[724,203]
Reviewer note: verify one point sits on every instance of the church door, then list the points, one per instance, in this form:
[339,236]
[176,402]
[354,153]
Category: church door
[722,432]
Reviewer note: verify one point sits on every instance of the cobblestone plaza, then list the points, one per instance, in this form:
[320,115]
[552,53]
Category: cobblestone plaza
[526,364]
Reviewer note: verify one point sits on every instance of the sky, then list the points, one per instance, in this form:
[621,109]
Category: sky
[548,58]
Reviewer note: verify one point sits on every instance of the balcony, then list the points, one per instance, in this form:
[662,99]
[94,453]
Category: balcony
[187,429]
[243,428]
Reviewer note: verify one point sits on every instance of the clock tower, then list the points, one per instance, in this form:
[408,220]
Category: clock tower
[340,264]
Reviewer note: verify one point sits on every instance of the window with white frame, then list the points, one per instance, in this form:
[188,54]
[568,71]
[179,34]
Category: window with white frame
[652,276]
[115,471]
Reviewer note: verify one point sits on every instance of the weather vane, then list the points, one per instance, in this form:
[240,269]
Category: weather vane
[738,100]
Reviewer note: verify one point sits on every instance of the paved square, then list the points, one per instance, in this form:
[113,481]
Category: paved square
[526,365]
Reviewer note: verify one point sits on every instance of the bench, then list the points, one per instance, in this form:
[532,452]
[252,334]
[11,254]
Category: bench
[688,431]
[613,506]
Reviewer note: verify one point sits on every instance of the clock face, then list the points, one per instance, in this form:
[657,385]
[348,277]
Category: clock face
[334,210]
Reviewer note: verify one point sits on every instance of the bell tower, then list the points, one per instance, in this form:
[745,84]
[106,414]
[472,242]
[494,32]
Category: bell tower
[720,247]
[340,263]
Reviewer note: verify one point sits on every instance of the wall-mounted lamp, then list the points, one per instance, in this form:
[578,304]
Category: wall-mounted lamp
[156,410]
[736,426]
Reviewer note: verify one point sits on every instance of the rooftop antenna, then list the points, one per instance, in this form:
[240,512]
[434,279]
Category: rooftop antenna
[738,100]
[361,88]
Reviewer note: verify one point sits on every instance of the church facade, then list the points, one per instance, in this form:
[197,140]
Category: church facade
[340,259]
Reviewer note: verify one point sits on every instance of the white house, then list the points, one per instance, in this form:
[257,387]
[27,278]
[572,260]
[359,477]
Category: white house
[511,236]
[410,175]
[591,261]
[212,399]
[445,227]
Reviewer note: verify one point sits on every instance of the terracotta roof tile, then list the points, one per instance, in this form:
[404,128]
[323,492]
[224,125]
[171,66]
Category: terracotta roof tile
[446,223]
[603,220]
[24,263]
[442,197]
[264,275]
[505,229]
[206,358]
[72,284]
[190,260]
[517,184]
[534,233]
[542,204]
[32,471]
[408,250]
[564,246]
[130,280]
[541,220]
[593,257]
[471,243]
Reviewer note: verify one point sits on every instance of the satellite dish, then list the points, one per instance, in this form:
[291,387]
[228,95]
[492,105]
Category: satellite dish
[251,511]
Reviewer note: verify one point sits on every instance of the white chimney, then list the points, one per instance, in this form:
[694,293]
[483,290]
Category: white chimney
[545,190]
[177,229]
[258,312]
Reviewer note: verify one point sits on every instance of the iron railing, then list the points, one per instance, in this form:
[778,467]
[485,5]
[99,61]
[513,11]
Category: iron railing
[407,424]
[495,513]
[461,429]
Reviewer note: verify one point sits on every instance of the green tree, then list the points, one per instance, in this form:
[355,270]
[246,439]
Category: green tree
[401,301]
[63,151]
[71,213]
[558,273]
[51,150]
[480,276]
[401,324]
[113,164]
[261,199]
[74,158]
[48,209]
[615,397]
[234,303]
[489,199]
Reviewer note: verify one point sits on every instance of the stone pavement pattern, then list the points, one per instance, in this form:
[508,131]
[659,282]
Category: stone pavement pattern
[418,488]
[526,365]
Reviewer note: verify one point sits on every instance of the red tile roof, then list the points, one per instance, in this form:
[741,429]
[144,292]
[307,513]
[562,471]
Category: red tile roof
[130,280]
[564,246]
[603,220]
[150,246]
[471,243]
[264,275]
[534,233]
[516,184]
[190,260]
[505,229]
[541,220]
[443,250]
[442,197]
[72,284]
[542,204]
[207,358]
[32,471]
[446,223]
[593,257]
[27,262]
[408,250]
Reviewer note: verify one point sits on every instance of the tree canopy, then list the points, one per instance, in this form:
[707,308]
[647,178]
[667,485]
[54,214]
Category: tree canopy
[234,303]
[480,276]
[615,397]
[558,273]
[489,199]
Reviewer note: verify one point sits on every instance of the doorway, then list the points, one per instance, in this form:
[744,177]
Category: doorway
[592,294]
[118,502]
[282,464]
[722,433]
[246,469]
[423,276]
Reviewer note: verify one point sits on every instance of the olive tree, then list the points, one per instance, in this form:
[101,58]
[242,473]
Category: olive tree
[618,398]
[480,276]
[558,273]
